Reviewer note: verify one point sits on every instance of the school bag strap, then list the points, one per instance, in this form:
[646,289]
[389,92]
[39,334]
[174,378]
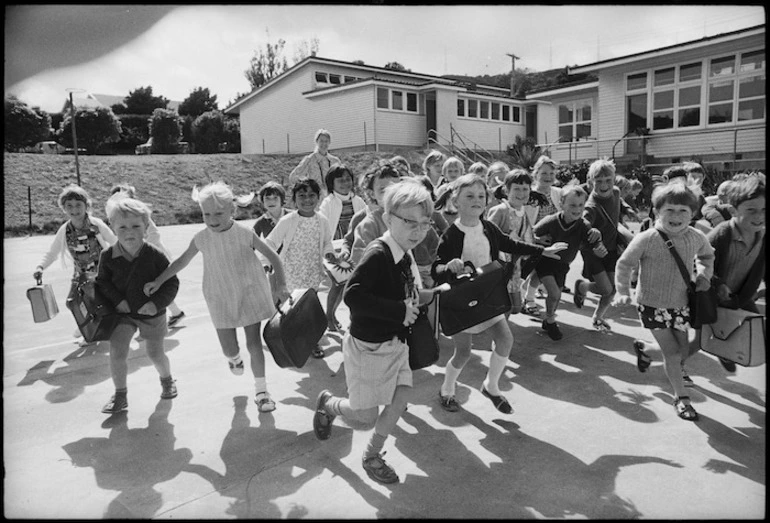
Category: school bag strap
[677,258]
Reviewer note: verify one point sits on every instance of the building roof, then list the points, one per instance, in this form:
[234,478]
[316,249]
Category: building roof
[662,51]
[409,78]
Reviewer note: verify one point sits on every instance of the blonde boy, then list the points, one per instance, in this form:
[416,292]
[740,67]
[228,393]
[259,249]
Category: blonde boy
[124,269]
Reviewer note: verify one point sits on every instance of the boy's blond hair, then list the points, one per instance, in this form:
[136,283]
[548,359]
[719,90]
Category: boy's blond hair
[124,205]
[408,192]
[452,161]
[434,157]
[542,161]
[601,167]
[468,180]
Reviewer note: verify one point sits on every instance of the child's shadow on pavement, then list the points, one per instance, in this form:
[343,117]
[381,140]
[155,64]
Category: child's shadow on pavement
[86,366]
[133,461]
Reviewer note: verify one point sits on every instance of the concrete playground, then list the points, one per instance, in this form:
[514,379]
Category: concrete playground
[590,436]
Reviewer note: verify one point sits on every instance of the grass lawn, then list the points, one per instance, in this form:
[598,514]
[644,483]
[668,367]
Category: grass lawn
[163,181]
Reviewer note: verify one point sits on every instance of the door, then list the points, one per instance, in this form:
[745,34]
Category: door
[430,117]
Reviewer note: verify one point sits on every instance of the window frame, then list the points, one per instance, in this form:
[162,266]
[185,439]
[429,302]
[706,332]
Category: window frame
[576,119]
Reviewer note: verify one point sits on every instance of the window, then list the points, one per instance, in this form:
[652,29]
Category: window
[484,112]
[516,114]
[472,108]
[574,120]
[460,107]
[723,90]
[382,98]
[397,100]
[349,79]
[636,81]
[411,102]
[495,111]
[506,113]
[335,79]
[321,78]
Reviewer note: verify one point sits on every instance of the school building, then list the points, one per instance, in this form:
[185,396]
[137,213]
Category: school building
[703,99]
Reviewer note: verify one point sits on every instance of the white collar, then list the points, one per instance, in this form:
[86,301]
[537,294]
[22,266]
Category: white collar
[344,197]
[395,249]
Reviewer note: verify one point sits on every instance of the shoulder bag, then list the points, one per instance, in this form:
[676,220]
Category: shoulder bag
[703,304]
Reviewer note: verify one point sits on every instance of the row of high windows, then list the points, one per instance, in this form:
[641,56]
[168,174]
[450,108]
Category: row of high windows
[486,110]
[723,90]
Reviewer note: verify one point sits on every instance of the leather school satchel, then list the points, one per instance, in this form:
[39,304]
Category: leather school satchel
[422,336]
[95,316]
[475,298]
[294,330]
[43,301]
[737,335]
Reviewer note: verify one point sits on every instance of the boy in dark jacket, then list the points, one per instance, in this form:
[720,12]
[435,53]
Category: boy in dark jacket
[124,269]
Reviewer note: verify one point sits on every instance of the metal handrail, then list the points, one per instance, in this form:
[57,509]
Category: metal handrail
[490,157]
[452,152]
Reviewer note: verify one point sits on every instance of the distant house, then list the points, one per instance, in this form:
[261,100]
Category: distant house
[83,100]
[702,99]
[374,108]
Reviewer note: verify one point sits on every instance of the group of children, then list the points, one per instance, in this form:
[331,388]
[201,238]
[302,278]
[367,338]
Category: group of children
[407,238]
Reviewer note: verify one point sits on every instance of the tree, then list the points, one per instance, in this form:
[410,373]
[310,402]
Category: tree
[142,101]
[208,132]
[198,102]
[24,126]
[165,131]
[306,48]
[266,64]
[397,67]
[95,127]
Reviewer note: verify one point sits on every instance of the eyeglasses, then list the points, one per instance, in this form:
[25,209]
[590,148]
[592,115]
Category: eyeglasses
[413,224]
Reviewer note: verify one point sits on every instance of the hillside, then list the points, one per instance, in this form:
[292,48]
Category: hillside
[163,181]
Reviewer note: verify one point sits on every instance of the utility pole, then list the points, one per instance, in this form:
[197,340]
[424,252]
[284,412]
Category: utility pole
[74,131]
[513,70]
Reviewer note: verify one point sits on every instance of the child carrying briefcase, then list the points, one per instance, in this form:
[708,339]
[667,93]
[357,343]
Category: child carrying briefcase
[43,301]
[295,328]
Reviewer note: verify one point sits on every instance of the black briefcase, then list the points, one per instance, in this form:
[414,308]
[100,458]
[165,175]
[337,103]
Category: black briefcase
[475,298]
[422,336]
[94,315]
[295,329]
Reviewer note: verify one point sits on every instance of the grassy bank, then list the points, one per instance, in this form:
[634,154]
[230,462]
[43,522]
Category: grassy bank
[163,181]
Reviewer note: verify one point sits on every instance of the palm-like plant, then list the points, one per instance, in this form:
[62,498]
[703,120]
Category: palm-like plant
[524,153]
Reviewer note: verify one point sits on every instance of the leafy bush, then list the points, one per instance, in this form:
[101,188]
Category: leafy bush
[24,126]
[208,132]
[95,127]
[165,131]
[524,153]
[576,171]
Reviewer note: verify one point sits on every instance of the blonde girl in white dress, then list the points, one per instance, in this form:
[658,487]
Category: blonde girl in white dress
[235,286]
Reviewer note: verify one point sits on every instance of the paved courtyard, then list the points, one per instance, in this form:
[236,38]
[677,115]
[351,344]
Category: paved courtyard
[590,436]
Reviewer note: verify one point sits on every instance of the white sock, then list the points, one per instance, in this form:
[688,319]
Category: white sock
[260,385]
[450,378]
[496,368]
[235,360]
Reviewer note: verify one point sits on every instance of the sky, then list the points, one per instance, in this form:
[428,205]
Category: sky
[175,49]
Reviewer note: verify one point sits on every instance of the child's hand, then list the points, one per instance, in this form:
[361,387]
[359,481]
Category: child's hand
[600,250]
[123,307]
[330,257]
[594,235]
[544,240]
[343,255]
[38,274]
[148,309]
[282,294]
[621,299]
[551,251]
[150,288]
[411,313]
[724,293]
[456,266]
[702,283]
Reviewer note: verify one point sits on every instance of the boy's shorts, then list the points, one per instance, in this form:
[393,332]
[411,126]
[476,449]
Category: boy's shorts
[592,264]
[152,328]
[551,267]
